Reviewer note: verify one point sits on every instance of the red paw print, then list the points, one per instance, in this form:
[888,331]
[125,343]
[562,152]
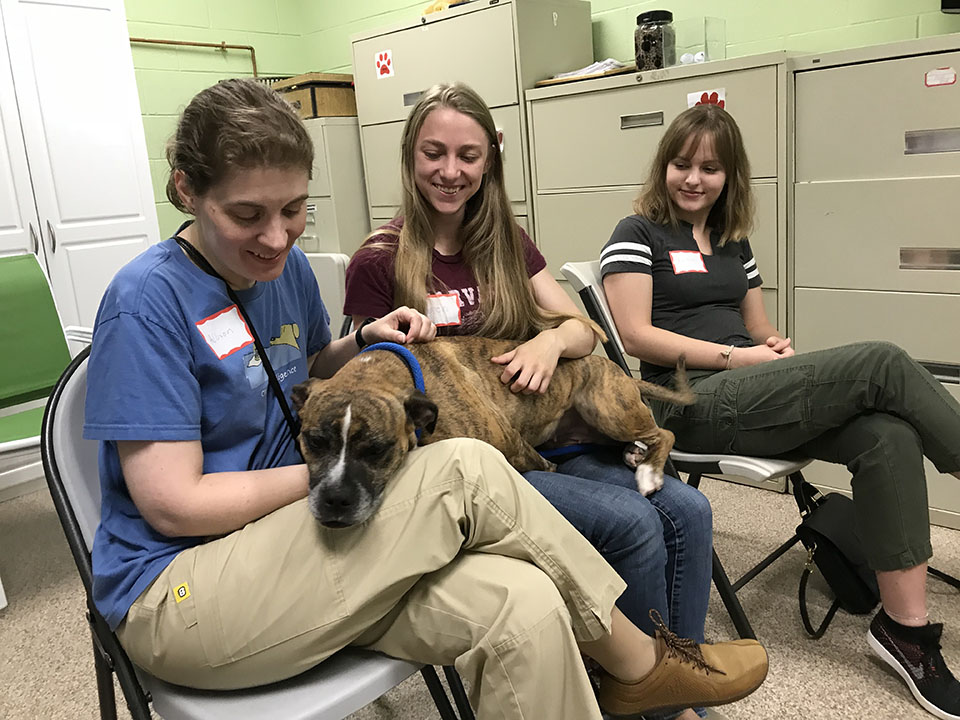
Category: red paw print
[383,64]
[710,99]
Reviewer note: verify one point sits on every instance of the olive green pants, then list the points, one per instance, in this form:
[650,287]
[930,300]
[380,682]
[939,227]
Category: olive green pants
[463,564]
[868,406]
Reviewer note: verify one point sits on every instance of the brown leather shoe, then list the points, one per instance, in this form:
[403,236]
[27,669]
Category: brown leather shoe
[687,675]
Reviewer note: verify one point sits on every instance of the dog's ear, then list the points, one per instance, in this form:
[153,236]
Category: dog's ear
[421,411]
[301,391]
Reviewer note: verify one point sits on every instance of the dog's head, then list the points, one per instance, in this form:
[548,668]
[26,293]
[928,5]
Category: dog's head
[353,441]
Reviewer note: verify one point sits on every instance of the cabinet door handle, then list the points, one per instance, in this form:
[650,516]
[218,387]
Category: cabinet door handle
[937,140]
[411,98]
[649,119]
[929,258]
[53,238]
[33,239]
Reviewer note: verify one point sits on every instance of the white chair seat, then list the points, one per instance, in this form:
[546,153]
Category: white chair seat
[337,687]
[752,468]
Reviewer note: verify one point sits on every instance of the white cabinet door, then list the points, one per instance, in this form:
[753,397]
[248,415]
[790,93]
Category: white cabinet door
[18,214]
[81,122]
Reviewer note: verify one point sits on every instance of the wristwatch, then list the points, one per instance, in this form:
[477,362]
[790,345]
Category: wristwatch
[358,335]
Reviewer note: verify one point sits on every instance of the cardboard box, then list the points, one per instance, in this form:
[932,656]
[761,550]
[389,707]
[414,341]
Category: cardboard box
[320,94]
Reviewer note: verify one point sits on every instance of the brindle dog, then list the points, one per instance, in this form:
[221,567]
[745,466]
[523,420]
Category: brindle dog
[359,425]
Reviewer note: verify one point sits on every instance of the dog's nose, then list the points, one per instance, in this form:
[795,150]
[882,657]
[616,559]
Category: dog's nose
[339,500]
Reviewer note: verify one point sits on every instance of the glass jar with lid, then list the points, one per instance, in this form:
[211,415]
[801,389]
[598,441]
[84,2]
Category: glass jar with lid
[654,40]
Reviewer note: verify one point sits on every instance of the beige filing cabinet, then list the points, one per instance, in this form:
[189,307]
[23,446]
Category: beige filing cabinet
[592,142]
[337,219]
[498,47]
[874,241]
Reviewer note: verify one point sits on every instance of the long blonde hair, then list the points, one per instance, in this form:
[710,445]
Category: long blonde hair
[732,213]
[492,244]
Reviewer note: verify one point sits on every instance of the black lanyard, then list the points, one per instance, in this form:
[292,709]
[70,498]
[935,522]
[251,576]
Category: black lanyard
[201,262]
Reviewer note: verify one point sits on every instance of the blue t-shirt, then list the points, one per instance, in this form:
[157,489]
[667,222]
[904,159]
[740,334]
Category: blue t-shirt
[172,359]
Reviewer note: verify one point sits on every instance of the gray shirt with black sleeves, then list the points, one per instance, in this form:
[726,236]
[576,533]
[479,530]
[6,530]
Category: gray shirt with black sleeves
[695,295]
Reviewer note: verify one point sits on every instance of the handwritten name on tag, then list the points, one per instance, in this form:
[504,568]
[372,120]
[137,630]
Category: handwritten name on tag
[225,332]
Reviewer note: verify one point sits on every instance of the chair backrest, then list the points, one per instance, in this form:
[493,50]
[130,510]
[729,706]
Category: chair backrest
[70,463]
[585,278]
[35,350]
[331,272]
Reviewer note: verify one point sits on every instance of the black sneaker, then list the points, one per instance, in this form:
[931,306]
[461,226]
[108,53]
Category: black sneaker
[919,662]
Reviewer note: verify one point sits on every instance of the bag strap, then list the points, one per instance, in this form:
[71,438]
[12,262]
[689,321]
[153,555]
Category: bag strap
[201,262]
[807,497]
[805,616]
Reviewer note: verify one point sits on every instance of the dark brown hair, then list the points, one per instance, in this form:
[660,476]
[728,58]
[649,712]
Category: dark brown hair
[237,123]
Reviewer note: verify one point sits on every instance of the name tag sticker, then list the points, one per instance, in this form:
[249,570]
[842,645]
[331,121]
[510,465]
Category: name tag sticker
[686,261]
[940,76]
[225,332]
[444,309]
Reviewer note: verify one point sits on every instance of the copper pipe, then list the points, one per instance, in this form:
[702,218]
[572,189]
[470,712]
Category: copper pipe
[219,46]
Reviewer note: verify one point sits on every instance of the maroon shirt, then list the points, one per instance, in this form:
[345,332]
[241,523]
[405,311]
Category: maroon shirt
[370,281]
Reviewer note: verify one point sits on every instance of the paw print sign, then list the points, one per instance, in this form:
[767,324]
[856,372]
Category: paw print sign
[708,97]
[384,64]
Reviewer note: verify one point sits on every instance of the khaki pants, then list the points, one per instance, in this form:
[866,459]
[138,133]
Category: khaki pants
[464,563]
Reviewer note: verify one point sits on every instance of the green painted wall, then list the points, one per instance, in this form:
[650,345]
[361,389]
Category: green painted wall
[752,26]
[168,76]
[294,36]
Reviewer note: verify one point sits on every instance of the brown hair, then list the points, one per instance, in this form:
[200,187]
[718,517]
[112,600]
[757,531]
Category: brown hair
[492,244]
[237,123]
[732,213]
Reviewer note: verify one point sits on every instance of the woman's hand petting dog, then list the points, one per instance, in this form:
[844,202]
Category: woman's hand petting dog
[530,366]
[404,325]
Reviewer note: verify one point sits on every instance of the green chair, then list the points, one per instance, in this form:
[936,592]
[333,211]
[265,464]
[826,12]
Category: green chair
[34,355]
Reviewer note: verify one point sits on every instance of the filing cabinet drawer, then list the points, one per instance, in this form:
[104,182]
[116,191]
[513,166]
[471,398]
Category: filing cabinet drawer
[320,233]
[472,47]
[852,234]
[383,143]
[871,107]
[770,304]
[320,182]
[828,318]
[585,140]
[573,227]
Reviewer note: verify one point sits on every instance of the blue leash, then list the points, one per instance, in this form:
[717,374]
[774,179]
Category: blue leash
[411,362]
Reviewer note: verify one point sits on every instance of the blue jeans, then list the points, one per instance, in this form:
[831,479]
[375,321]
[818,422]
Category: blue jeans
[661,545]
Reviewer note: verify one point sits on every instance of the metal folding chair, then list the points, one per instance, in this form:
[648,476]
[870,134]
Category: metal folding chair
[340,685]
[585,278]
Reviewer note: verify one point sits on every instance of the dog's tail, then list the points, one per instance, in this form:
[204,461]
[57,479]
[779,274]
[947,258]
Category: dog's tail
[681,394]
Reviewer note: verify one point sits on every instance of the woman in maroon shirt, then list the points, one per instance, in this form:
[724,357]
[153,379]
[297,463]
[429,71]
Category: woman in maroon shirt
[456,253]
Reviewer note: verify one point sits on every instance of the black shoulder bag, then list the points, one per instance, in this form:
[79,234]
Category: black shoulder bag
[828,532]
[200,261]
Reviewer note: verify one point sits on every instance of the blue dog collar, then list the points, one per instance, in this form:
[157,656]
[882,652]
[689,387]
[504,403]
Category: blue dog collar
[411,362]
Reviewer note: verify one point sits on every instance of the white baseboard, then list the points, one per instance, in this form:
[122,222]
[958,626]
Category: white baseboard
[21,480]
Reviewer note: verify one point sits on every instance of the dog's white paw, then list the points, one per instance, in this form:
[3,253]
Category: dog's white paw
[648,480]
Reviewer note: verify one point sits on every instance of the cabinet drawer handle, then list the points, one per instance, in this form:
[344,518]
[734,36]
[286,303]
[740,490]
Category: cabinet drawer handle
[920,258]
[53,238]
[650,119]
[34,242]
[411,98]
[944,372]
[926,142]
